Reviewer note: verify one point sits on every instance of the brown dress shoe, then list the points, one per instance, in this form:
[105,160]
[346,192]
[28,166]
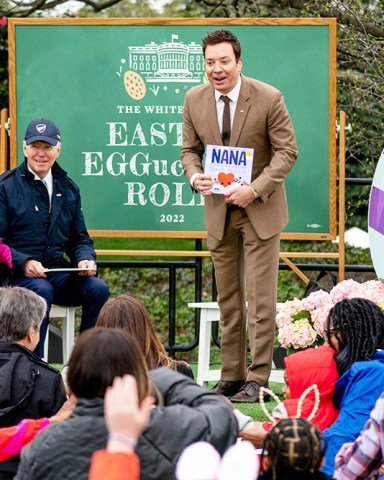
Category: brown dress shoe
[250,394]
[227,387]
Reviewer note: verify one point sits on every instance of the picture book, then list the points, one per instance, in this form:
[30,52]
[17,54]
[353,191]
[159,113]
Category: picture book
[228,166]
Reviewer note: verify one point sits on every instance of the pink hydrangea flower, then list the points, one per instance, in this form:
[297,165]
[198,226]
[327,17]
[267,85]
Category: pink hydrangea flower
[319,318]
[316,300]
[301,323]
[343,289]
[371,290]
[290,308]
[298,334]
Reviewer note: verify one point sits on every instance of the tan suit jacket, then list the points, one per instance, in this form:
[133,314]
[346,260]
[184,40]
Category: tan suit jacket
[261,122]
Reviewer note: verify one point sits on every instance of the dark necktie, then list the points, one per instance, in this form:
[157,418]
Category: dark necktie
[226,130]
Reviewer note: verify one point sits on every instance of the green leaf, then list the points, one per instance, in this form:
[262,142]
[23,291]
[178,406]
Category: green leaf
[302,314]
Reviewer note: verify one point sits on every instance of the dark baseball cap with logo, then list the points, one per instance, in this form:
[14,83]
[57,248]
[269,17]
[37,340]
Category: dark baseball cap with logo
[42,130]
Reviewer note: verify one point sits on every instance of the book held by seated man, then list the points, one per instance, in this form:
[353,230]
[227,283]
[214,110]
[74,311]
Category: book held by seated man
[228,166]
[68,269]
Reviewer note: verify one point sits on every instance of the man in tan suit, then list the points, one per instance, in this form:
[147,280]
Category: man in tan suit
[243,225]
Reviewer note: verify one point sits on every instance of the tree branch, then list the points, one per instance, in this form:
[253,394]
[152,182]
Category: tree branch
[330,11]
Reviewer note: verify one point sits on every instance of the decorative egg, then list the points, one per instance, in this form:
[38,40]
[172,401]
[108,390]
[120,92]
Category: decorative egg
[376,219]
[134,85]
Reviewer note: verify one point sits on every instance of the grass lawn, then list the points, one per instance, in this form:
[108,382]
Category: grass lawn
[252,409]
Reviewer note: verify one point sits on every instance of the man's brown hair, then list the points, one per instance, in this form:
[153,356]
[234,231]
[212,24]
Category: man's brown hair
[220,36]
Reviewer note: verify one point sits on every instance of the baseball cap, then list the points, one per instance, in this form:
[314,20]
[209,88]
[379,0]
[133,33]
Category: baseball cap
[42,130]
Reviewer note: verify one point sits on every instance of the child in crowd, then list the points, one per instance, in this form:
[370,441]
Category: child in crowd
[184,413]
[293,449]
[355,330]
[365,456]
[129,313]
[125,418]
[314,366]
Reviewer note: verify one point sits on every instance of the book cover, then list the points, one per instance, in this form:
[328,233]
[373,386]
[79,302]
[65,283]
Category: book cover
[228,166]
[68,269]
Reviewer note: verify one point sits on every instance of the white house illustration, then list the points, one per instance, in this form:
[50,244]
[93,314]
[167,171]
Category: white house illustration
[169,62]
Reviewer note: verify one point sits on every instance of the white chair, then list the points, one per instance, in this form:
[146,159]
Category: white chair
[209,313]
[68,330]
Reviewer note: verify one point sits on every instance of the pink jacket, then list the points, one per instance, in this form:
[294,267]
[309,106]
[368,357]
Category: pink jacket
[13,439]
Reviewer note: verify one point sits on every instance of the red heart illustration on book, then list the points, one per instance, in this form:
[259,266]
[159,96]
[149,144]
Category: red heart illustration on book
[226,178]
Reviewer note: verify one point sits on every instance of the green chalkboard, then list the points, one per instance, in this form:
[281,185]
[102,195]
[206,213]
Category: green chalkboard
[116,89]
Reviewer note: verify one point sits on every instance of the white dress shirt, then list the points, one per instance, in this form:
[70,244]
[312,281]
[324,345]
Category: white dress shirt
[234,96]
[48,181]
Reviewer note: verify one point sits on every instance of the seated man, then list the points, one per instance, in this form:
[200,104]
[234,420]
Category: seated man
[42,222]
[29,387]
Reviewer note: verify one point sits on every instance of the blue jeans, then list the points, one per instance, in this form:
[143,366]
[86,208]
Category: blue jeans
[67,289]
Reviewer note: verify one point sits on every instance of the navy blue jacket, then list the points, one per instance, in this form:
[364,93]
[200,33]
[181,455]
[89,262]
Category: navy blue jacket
[35,229]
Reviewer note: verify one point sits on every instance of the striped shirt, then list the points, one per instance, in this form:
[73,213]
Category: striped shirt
[362,458]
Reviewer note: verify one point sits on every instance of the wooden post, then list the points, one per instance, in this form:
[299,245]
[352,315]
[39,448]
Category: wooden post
[342,197]
[3,140]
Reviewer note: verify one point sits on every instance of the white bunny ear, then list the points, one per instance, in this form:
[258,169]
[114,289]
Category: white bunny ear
[262,403]
[199,461]
[316,404]
[240,461]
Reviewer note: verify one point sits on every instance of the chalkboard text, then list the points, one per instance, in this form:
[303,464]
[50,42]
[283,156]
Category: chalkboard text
[129,109]
[160,194]
[175,218]
[157,109]
[157,134]
[138,165]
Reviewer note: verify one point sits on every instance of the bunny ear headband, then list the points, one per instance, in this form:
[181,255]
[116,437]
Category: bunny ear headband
[299,405]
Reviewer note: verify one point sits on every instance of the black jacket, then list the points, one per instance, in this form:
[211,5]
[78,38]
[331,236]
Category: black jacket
[190,414]
[29,388]
[34,229]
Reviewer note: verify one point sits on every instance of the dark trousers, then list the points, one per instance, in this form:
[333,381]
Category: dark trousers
[69,290]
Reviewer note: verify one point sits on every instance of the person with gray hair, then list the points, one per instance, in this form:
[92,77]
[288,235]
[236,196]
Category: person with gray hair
[21,314]
[29,387]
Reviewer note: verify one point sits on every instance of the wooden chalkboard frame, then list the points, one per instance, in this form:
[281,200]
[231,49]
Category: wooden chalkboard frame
[226,23]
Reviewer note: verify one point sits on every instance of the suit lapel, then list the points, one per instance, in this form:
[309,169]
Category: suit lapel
[241,113]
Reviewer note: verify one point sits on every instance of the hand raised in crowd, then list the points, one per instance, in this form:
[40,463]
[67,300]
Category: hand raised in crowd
[5,254]
[125,418]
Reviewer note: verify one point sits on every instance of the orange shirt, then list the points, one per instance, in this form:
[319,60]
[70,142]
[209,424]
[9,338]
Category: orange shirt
[114,466]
